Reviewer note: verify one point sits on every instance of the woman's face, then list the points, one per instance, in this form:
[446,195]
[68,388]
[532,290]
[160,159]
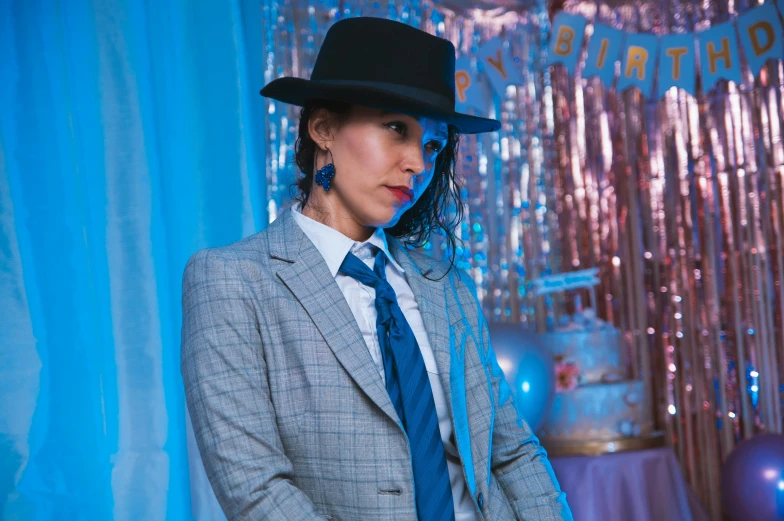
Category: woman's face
[383,163]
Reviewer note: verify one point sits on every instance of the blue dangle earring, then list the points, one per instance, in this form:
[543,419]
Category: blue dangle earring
[325,174]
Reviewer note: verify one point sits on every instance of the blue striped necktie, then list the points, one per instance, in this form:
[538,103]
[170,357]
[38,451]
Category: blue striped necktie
[409,389]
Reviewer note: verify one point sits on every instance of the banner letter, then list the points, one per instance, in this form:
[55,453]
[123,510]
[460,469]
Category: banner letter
[678,64]
[754,29]
[602,53]
[604,49]
[676,53]
[761,35]
[719,54]
[714,55]
[498,63]
[639,63]
[462,83]
[635,59]
[564,41]
[471,93]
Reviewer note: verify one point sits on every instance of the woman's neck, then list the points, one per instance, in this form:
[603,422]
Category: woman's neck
[325,211]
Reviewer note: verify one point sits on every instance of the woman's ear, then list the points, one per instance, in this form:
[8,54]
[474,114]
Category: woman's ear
[320,128]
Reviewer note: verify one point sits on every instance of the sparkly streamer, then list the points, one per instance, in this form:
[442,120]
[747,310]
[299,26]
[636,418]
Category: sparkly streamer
[678,202]
[697,190]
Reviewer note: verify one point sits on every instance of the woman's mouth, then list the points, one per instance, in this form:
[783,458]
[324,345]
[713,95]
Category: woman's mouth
[403,193]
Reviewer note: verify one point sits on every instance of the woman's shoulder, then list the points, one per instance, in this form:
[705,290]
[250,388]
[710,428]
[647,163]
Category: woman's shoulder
[248,254]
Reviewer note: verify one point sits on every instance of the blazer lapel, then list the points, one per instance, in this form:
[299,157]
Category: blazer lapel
[303,270]
[430,298]
[446,330]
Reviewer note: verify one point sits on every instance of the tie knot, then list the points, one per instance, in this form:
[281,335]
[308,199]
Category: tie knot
[364,250]
[375,278]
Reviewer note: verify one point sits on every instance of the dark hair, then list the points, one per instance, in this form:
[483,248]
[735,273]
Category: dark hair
[438,210]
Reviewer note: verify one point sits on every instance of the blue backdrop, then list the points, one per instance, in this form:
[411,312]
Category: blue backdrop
[128,140]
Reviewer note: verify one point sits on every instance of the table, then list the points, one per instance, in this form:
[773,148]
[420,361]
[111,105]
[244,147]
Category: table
[643,485]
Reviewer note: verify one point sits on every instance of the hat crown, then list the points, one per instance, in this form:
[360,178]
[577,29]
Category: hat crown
[385,51]
[386,65]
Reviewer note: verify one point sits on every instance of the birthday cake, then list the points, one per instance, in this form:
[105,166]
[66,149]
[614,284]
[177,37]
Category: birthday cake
[594,402]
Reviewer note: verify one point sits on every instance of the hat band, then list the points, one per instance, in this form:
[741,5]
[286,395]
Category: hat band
[436,100]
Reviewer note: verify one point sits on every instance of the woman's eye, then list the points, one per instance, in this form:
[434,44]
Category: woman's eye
[435,146]
[398,127]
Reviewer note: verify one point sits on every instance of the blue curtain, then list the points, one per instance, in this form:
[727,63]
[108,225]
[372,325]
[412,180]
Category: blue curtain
[129,139]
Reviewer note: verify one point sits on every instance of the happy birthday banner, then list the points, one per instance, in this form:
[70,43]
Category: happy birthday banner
[565,281]
[713,52]
[646,59]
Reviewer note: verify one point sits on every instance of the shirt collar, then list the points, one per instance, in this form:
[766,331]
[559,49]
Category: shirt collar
[334,246]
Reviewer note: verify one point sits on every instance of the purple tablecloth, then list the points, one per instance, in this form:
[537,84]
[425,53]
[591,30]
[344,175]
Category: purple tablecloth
[644,485]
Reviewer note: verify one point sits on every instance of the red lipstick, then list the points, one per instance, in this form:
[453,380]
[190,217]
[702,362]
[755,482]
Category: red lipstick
[403,193]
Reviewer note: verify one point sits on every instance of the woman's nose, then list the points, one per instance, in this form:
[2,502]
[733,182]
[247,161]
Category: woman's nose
[415,160]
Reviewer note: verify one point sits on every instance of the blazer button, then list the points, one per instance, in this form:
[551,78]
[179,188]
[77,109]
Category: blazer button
[480,500]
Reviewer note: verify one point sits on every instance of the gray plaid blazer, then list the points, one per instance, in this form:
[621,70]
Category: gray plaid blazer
[290,415]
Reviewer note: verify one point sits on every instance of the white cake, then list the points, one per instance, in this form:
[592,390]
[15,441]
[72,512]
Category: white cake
[599,412]
[594,402]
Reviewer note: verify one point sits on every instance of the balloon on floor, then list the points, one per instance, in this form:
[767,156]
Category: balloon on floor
[752,480]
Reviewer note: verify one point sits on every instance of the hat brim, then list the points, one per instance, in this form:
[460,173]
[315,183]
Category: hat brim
[298,91]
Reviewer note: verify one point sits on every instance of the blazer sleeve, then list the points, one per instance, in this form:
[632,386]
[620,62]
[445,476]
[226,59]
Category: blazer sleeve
[228,396]
[518,461]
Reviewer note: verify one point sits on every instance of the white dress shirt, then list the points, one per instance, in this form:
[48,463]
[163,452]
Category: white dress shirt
[334,246]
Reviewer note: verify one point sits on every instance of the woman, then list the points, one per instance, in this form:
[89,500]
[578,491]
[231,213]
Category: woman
[331,372]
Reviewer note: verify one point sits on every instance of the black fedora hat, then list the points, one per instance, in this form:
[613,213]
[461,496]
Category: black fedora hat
[384,64]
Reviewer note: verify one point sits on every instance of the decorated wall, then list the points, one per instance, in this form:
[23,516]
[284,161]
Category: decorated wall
[694,183]
[665,179]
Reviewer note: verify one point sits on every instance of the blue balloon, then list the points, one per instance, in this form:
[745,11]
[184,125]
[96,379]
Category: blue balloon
[529,369]
[752,480]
